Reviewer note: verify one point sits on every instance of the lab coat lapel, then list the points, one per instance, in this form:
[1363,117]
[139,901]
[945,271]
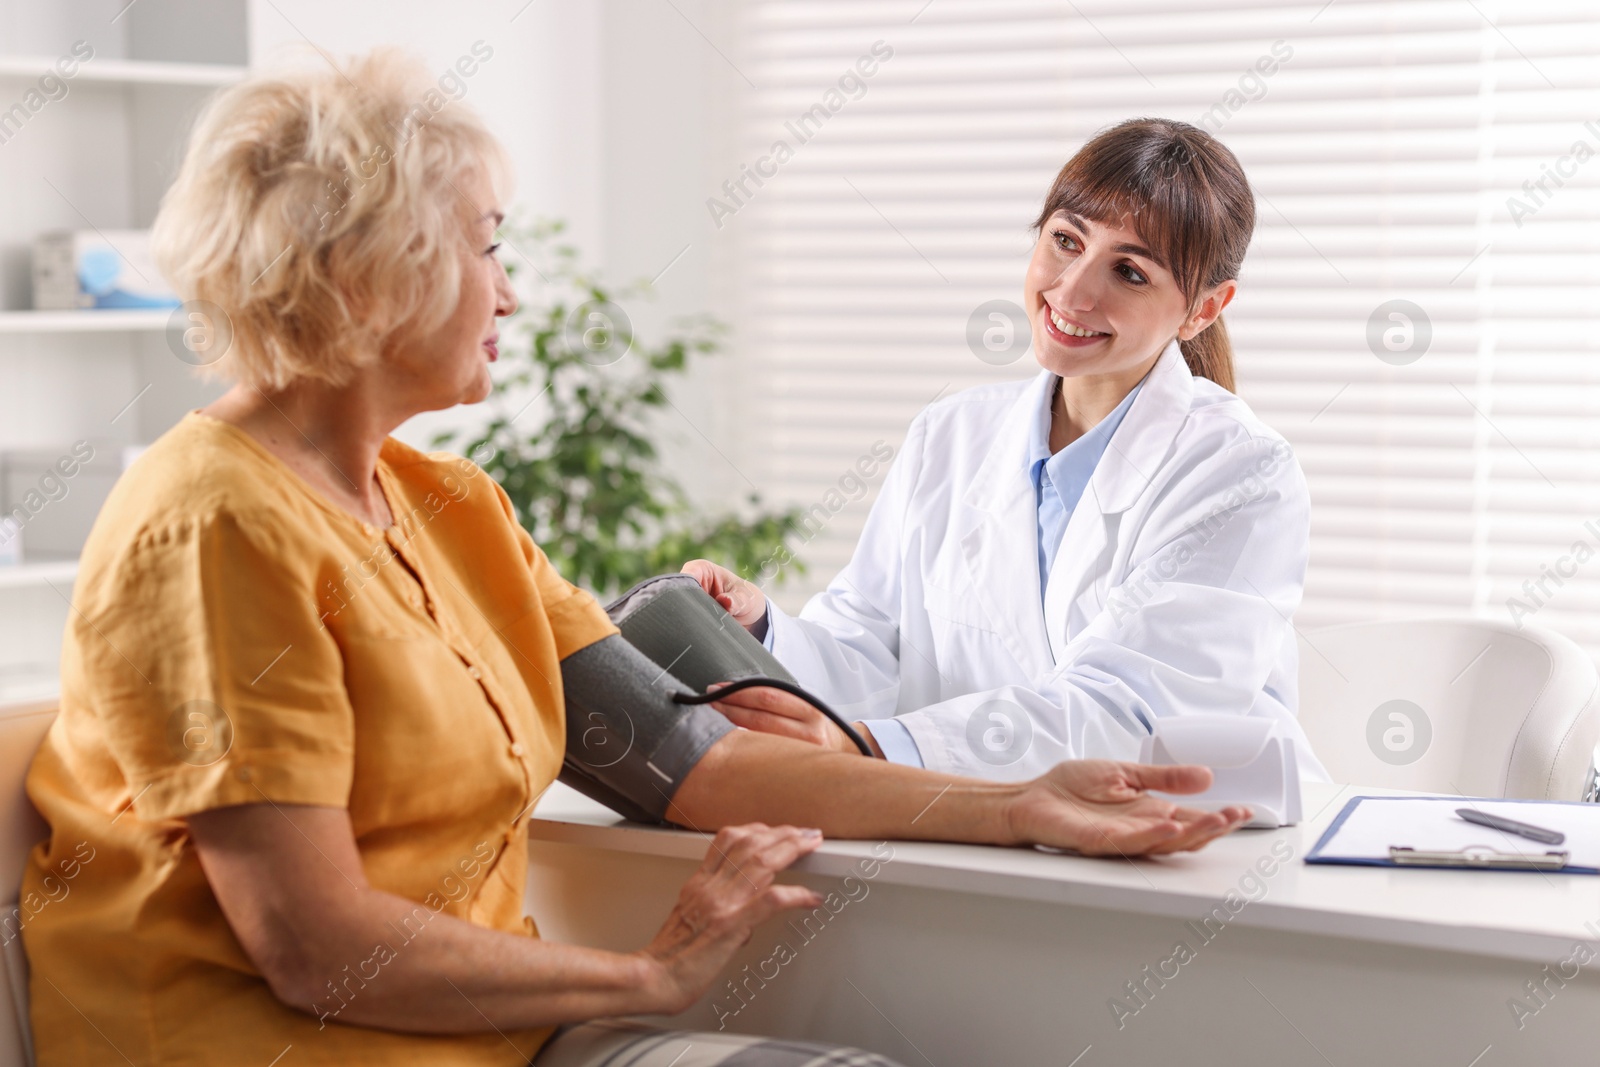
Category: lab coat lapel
[1142,441]
[1082,567]
[1002,547]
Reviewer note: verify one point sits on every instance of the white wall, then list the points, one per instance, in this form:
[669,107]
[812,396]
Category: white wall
[668,96]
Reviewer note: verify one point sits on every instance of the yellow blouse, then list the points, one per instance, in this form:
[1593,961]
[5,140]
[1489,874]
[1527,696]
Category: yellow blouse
[236,639]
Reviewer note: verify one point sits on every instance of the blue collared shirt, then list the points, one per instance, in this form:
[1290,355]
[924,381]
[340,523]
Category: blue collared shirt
[1059,482]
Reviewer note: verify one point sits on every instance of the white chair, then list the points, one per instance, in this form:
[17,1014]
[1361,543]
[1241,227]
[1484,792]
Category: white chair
[21,730]
[1463,706]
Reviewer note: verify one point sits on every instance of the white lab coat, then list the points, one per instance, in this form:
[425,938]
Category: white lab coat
[1171,593]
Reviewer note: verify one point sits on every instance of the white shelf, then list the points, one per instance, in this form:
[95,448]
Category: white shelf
[104,321]
[26,575]
[126,71]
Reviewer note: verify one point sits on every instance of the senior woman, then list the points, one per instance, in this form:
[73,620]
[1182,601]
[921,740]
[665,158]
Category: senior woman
[315,681]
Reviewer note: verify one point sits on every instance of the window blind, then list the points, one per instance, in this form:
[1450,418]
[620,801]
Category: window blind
[1417,313]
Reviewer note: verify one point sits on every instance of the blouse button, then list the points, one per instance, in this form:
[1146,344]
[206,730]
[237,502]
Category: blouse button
[517,749]
[475,672]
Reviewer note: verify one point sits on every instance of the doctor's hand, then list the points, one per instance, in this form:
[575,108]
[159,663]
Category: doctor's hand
[776,712]
[746,603]
[772,711]
[1101,808]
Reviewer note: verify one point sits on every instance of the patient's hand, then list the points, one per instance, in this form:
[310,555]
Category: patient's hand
[1101,808]
[734,891]
[742,599]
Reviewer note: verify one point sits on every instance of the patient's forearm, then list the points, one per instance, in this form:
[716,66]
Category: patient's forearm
[456,976]
[290,882]
[754,777]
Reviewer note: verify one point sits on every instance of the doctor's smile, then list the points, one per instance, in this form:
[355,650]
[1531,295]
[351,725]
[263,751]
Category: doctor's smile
[1068,332]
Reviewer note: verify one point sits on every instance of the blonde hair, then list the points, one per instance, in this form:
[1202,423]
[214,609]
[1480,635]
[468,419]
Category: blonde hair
[321,211]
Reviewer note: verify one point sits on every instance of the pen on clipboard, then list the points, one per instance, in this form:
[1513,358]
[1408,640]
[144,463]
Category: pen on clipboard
[1512,826]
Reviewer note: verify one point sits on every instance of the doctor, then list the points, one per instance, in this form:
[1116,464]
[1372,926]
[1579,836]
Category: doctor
[1055,564]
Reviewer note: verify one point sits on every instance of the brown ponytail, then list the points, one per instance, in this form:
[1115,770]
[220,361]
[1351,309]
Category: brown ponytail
[1209,354]
[1185,194]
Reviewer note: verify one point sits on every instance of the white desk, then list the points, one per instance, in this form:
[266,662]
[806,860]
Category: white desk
[967,956]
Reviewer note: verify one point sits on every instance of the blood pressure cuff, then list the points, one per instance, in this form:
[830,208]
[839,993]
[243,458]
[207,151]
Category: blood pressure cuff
[629,746]
[674,622]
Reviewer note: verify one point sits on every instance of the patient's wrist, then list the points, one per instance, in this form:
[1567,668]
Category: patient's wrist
[651,982]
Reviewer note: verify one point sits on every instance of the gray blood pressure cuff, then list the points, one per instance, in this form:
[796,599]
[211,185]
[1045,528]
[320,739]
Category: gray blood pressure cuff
[673,621]
[629,746]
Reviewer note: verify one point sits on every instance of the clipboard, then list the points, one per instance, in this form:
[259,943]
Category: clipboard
[1425,832]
